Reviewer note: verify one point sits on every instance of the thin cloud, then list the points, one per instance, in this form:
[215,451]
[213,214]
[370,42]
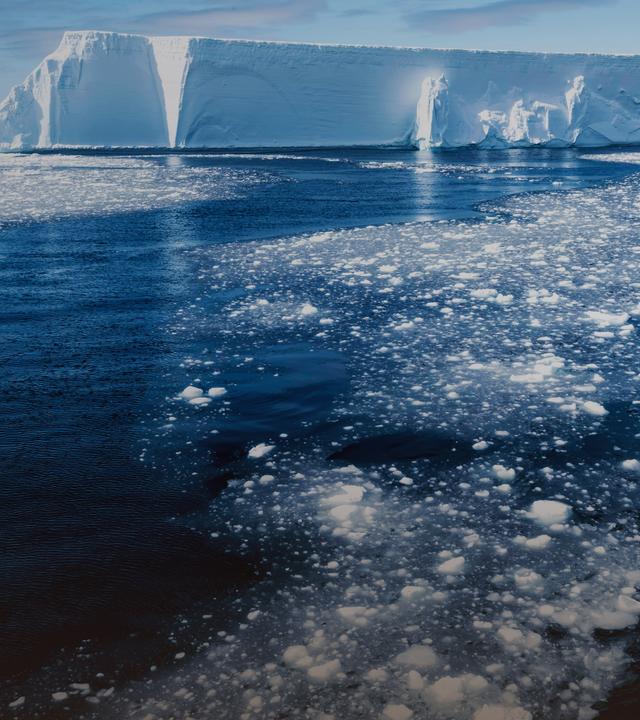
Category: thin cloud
[494,14]
[240,16]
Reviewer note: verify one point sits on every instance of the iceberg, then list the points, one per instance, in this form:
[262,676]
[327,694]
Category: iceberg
[102,89]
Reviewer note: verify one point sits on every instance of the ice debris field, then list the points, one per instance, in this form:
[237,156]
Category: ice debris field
[467,544]
[101,89]
[92,185]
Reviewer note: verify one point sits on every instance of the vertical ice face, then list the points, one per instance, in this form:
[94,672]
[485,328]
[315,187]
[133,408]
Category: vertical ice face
[96,89]
[432,115]
[108,89]
[108,92]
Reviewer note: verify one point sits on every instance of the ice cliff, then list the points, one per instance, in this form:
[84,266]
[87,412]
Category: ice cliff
[108,89]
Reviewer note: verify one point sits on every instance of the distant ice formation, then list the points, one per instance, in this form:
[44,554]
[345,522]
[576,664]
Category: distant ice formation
[108,90]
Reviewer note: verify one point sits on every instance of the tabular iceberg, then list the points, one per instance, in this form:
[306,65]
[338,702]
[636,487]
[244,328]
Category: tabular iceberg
[115,90]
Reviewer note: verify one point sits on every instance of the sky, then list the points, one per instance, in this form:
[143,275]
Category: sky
[30,29]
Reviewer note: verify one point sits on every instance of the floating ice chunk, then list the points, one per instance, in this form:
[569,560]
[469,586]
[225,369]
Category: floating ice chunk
[549,512]
[484,293]
[191,392]
[501,712]
[454,690]
[527,378]
[503,473]
[452,567]
[349,494]
[501,299]
[297,656]
[528,580]
[415,681]
[627,604]
[356,614]
[607,319]
[614,619]
[594,408]
[199,401]
[215,392]
[59,696]
[342,513]
[417,656]
[349,470]
[480,445]
[492,248]
[307,310]
[260,450]
[631,465]
[411,593]
[408,325]
[397,712]
[516,639]
[18,702]
[538,543]
[325,671]
[377,675]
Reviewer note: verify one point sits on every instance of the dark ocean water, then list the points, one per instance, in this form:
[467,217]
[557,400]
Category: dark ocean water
[103,551]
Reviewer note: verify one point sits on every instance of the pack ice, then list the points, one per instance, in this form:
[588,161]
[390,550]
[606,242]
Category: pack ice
[107,89]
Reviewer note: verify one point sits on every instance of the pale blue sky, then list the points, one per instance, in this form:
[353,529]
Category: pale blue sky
[29,29]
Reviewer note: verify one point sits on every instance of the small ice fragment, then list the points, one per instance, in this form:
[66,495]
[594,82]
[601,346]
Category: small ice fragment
[628,605]
[215,392]
[606,319]
[501,712]
[349,495]
[417,656]
[415,681]
[614,620]
[308,309]
[18,702]
[631,465]
[325,671]
[594,408]
[538,543]
[297,656]
[356,614]
[59,696]
[191,392]
[452,567]
[503,473]
[527,378]
[480,445]
[549,512]
[260,450]
[377,675]
[397,712]
[410,593]
[492,248]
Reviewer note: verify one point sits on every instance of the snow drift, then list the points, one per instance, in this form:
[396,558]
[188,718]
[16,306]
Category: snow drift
[108,89]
